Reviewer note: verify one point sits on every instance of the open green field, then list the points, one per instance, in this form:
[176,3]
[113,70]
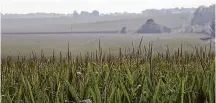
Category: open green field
[24,44]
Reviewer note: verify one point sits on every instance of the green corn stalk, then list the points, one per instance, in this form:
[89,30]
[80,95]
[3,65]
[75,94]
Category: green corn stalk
[73,92]
[156,92]
[111,97]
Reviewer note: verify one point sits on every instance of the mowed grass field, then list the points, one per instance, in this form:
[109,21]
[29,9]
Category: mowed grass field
[24,45]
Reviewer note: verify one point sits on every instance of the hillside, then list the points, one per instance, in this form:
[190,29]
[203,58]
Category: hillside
[113,23]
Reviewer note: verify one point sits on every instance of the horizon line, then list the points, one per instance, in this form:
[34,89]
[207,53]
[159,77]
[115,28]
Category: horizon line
[110,12]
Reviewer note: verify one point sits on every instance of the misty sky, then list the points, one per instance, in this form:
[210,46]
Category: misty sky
[104,6]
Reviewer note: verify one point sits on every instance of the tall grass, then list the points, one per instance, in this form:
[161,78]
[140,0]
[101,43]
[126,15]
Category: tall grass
[136,76]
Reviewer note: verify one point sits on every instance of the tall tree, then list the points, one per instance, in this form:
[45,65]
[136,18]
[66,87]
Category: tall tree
[95,13]
[213,27]
[75,14]
[84,13]
[203,15]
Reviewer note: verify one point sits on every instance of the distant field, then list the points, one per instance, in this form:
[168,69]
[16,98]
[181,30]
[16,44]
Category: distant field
[24,44]
[97,24]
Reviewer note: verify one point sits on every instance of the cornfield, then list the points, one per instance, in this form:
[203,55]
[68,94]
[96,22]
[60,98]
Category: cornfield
[135,75]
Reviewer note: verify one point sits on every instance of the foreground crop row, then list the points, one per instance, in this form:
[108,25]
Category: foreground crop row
[136,76]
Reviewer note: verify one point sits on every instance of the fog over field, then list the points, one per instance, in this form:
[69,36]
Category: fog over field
[108,51]
[35,32]
[14,44]
[67,24]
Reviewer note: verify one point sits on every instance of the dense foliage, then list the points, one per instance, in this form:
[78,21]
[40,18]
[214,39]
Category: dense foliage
[134,76]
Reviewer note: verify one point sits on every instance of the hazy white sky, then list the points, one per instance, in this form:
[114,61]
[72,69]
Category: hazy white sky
[104,6]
